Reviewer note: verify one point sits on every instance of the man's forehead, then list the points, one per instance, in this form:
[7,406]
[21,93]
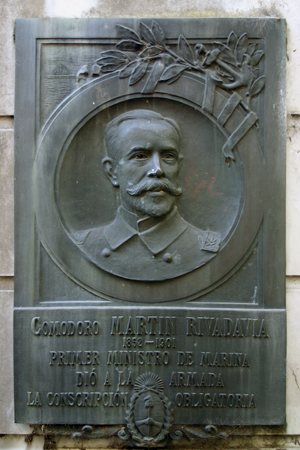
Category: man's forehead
[148,125]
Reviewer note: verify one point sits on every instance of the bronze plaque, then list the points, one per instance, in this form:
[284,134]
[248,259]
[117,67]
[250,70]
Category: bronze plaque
[150,257]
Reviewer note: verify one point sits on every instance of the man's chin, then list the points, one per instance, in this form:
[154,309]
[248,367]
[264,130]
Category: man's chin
[154,205]
[156,212]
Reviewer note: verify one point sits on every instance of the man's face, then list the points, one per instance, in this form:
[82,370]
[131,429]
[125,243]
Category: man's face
[148,166]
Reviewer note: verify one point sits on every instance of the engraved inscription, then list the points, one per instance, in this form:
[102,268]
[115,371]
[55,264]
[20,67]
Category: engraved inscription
[223,359]
[221,400]
[88,399]
[215,327]
[143,325]
[34,399]
[64,327]
[196,379]
[71,358]
[133,334]
[137,358]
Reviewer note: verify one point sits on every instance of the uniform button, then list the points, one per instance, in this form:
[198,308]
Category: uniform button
[168,258]
[106,252]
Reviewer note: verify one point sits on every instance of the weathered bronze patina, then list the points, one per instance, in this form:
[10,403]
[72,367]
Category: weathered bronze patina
[149,232]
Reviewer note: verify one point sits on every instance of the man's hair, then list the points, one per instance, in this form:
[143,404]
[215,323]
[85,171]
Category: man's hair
[111,130]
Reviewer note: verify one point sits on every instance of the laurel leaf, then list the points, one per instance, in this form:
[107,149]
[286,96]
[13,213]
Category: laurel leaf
[147,34]
[226,54]
[127,33]
[167,59]
[129,45]
[232,40]
[251,49]
[158,33]
[257,86]
[150,51]
[154,77]
[138,72]
[257,57]
[241,47]
[115,53]
[172,80]
[185,50]
[131,56]
[255,73]
[110,60]
[128,70]
[172,71]
[106,68]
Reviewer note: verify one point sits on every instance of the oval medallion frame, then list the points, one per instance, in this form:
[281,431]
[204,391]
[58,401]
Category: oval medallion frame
[67,120]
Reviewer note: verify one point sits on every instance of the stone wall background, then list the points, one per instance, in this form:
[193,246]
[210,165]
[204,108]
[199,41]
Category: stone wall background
[13,434]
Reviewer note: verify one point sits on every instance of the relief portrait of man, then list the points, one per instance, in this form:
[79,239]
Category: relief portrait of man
[148,240]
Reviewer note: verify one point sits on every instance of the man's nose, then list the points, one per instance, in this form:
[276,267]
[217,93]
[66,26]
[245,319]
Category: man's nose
[155,169]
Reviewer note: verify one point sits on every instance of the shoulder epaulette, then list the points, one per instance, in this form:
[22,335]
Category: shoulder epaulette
[211,241]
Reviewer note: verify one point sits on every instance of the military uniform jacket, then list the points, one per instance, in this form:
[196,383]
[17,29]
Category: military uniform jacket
[148,249]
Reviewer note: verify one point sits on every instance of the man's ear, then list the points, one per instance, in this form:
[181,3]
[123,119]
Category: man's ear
[109,167]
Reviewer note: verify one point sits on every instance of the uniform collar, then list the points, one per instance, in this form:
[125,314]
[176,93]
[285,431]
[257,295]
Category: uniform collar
[156,234]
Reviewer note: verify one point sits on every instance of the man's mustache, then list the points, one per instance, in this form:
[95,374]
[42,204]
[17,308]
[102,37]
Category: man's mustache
[156,186]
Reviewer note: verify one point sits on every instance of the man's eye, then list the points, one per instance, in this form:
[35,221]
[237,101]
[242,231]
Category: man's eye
[141,156]
[169,156]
